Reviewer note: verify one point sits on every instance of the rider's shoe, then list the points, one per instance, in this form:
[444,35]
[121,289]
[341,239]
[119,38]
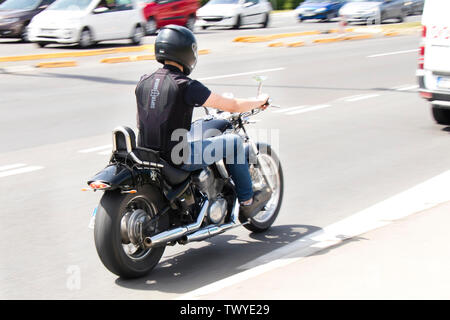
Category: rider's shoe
[260,199]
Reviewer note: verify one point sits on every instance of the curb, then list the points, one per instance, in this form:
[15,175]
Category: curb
[141,58]
[323,40]
[85,53]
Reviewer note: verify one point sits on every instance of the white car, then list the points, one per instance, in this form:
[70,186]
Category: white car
[434,64]
[233,13]
[87,22]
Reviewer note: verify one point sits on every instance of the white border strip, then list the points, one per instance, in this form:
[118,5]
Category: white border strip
[12,166]
[313,108]
[109,146]
[392,53]
[240,74]
[19,171]
[421,197]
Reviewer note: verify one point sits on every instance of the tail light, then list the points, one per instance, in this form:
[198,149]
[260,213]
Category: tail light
[422,48]
[98,185]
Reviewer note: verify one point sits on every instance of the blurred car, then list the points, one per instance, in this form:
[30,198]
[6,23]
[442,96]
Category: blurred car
[234,13]
[319,9]
[159,13]
[373,11]
[15,15]
[413,6]
[433,71]
[87,22]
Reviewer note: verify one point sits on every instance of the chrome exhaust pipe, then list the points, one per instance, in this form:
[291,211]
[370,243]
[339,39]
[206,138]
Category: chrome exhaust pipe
[211,231]
[174,234]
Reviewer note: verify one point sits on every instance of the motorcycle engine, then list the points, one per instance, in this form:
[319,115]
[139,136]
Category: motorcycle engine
[211,186]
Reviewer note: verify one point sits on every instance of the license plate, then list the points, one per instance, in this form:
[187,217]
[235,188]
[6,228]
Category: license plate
[92,221]
[48,32]
[308,14]
[443,83]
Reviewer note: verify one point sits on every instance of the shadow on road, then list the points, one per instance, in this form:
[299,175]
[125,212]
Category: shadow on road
[218,258]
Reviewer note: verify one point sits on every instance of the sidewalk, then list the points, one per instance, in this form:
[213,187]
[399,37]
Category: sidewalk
[407,259]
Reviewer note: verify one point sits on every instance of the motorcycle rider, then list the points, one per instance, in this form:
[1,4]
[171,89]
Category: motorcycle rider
[165,101]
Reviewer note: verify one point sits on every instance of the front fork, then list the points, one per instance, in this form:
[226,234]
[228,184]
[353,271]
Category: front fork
[255,151]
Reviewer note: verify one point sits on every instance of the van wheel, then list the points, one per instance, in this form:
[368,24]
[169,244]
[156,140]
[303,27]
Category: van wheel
[441,115]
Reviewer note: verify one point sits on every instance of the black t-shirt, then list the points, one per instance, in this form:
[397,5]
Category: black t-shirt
[195,93]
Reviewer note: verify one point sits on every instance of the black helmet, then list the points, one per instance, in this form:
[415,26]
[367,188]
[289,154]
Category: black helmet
[177,44]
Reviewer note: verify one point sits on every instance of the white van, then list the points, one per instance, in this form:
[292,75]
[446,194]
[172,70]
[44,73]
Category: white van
[88,21]
[434,62]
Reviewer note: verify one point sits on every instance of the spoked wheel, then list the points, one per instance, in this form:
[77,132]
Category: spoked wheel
[272,166]
[122,222]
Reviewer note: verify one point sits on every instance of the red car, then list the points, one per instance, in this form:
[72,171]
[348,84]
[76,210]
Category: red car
[160,13]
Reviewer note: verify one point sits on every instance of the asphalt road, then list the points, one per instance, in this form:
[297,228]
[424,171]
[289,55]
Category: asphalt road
[361,136]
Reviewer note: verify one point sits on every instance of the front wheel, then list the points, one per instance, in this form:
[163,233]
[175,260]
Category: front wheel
[271,163]
[122,222]
[85,39]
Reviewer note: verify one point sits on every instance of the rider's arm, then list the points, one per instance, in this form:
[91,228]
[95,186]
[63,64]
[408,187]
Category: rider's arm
[234,105]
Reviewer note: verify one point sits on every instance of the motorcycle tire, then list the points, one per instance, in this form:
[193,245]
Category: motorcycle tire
[107,231]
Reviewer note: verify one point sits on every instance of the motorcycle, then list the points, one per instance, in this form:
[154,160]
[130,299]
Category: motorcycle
[149,204]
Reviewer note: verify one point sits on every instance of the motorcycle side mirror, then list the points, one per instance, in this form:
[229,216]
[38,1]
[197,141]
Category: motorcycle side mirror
[260,79]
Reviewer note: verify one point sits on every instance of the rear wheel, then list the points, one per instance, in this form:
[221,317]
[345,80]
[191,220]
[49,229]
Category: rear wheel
[271,163]
[441,115]
[151,27]
[42,44]
[24,34]
[138,34]
[121,223]
[238,23]
[266,21]
[402,16]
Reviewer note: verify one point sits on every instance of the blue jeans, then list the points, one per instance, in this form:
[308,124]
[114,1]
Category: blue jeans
[230,148]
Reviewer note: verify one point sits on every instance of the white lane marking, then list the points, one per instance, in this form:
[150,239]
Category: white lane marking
[109,146]
[313,108]
[19,171]
[12,166]
[240,74]
[406,87]
[392,53]
[104,152]
[361,97]
[288,109]
[421,197]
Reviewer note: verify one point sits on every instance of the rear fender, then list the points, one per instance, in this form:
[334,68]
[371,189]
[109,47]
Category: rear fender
[116,176]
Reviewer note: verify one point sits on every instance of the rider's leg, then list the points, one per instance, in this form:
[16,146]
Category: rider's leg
[230,148]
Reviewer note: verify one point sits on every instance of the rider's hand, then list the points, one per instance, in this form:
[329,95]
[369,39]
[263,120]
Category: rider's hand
[264,100]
